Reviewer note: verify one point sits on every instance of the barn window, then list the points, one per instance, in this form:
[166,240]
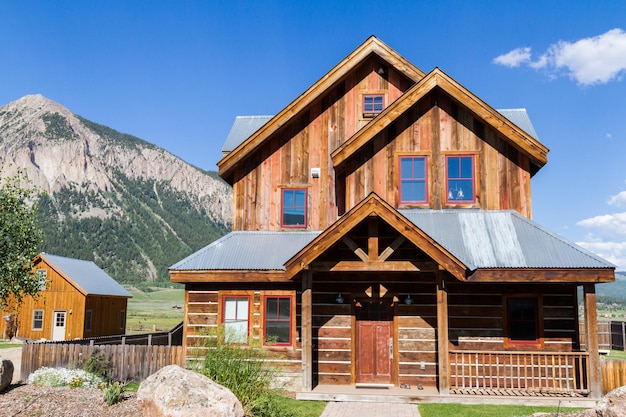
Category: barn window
[413,179]
[294,208]
[37,319]
[236,318]
[460,179]
[373,104]
[277,320]
[88,320]
[123,320]
[523,321]
[41,279]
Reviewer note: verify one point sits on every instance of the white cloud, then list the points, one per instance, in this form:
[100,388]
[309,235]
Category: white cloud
[595,60]
[609,237]
[618,200]
[614,252]
[612,225]
[515,58]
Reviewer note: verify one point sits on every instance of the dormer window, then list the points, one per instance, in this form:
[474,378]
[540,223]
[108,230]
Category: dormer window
[373,104]
[294,208]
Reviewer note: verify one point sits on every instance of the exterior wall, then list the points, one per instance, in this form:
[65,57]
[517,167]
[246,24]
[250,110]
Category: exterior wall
[106,315]
[476,316]
[435,127]
[286,160]
[203,318]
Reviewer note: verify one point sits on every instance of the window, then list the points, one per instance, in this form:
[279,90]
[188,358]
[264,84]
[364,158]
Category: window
[41,279]
[373,104]
[413,179]
[88,319]
[460,179]
[523,320]
[294,208]
[123,320]
[37,319]
[235,313]
[278,320]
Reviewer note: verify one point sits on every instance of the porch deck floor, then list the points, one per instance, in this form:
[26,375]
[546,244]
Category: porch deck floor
[413,395]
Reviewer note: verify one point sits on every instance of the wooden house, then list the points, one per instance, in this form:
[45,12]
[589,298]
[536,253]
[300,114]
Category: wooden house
[77,300]
[382,237]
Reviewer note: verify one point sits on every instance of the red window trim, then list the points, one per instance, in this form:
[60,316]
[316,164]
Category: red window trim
[373,112]
[291,315]
[461,202]
[399,173]
[282,208]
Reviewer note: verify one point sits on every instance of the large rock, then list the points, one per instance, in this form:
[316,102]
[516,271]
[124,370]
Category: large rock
[176,392]
[613,404]
[6,373]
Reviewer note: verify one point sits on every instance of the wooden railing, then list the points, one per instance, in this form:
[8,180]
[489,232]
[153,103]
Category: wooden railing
[545,372]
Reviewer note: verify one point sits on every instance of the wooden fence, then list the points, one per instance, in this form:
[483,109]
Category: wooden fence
[128,362]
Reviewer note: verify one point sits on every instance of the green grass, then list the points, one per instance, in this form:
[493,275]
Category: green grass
[147,310]
[484,410]
[5,344]
[615,355]
[302,408]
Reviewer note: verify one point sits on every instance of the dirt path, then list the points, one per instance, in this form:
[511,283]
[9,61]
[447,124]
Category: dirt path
[15,356]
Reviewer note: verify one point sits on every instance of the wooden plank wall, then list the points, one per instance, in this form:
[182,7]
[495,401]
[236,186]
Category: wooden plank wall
[435,127]
[286,159]
[476,315]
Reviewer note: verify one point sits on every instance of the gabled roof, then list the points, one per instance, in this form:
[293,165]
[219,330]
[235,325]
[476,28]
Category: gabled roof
[85,276]
[519,138]
[371,46]
[242,129]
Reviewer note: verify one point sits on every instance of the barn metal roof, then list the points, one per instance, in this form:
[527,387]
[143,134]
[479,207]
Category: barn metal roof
[478,238]
[87,275]
[267,251]
[501,239]
[244,126]
[242,129]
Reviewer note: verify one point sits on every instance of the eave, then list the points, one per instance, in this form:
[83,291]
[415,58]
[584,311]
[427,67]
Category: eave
[372,45]
[227,276]
[530,146]
[530,275]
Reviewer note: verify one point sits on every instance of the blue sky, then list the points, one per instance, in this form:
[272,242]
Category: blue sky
[177,73]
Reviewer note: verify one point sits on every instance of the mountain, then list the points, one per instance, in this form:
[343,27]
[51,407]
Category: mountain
[128,205]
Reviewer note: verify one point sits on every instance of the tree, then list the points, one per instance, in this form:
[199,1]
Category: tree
[20,238]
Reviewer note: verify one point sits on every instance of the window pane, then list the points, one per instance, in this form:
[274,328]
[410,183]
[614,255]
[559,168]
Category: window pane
[413,190]
[294,207]
[460,178]
[236,331]
[406,168]
[271,309]
[466,167]
[453,167]
[523,319]
[242,309]
[230,308]
[285,306]
[412,179]
[277,332]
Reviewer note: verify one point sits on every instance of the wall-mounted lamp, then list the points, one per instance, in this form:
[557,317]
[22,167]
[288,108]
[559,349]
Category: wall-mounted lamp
[381,70]
[339,299]
[408,300]
[315,172]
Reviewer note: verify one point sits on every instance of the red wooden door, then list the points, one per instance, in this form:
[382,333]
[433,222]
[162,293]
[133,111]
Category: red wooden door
[374,343]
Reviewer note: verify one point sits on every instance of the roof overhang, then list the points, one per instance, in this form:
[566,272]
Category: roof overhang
[227,276]
[530,275]
[371,46]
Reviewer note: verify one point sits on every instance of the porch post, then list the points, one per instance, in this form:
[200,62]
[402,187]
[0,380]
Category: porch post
[307,331]
[591,327]
[442,335]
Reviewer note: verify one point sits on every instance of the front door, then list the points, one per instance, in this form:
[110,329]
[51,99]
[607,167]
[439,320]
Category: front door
[374,341]
[58,328]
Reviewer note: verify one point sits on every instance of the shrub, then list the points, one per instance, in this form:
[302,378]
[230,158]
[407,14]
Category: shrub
[242,369]
[98,364]
[112,392]
[64,377]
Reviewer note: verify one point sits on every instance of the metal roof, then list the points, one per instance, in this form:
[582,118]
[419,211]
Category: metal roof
[245,126]
[478,238]
[242,129]
[500,239]
[267,251]
[87,275]
[521,119]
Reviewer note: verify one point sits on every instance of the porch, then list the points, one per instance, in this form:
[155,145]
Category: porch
[476,377]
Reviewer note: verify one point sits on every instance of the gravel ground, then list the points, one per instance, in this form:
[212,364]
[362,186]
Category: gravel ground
[31,400]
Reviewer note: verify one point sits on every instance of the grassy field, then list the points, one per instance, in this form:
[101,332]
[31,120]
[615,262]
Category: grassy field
[154,309]
[484,410]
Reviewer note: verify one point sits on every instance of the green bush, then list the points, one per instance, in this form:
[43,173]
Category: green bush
[97,363]
[112,392]
[242,369]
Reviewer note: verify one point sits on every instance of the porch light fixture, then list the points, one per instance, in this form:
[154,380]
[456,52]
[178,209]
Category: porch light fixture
[408,300]
[381,70]
[339,299]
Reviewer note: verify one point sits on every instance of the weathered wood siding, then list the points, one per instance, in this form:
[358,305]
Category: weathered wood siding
[476,316]
[434,127]
[106,315]
[287,158]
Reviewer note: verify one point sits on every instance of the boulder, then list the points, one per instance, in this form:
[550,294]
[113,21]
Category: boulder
[613,404]
[176,392]
[6,373]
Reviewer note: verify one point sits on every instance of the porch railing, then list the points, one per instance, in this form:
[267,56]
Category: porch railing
[544,372]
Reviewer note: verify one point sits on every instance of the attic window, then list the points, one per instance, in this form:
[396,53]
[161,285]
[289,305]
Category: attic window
[294,208]
[373,104]
[460,179]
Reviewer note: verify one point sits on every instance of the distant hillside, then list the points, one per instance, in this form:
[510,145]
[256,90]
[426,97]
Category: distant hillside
[615,289]
[128,205]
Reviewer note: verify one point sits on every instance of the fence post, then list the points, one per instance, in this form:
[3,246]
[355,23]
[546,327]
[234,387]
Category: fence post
[150,339]
[623,336]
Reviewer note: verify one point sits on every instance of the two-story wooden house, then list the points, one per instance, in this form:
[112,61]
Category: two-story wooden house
[382,237]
